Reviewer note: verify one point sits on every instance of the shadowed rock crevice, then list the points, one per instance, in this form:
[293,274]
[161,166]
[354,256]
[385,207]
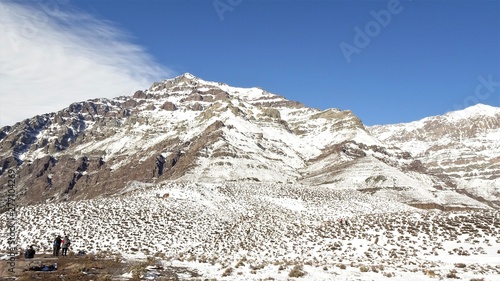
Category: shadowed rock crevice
[84,164]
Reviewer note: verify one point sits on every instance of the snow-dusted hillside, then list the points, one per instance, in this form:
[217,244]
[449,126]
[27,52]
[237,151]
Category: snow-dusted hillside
[462,144]
[266,230]
[195,130]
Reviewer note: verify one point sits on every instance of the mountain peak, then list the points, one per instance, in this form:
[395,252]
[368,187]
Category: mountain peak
[188,75]
[185,77]
[471,111]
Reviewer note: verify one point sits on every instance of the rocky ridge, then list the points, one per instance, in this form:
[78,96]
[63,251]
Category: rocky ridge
[186,128]
[460,144]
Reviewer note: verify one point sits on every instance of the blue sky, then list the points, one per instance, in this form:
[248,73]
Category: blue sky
[419,58]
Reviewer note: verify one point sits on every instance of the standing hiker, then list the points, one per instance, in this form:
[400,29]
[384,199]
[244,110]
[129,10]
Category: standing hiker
[65,245]
[57,245]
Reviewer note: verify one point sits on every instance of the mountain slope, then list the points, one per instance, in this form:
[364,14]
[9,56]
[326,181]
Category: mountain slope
[262,230]
[186,128]
[461,144]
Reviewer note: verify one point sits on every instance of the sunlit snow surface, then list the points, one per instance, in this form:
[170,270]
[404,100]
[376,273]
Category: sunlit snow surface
[264,230]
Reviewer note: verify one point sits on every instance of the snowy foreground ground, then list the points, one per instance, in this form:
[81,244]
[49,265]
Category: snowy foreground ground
[271,232]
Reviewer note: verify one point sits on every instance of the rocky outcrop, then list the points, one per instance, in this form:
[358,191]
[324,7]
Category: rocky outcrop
[169,106]
[139,95]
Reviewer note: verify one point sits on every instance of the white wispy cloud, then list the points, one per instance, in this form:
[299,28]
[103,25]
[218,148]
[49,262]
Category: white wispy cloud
[52,55]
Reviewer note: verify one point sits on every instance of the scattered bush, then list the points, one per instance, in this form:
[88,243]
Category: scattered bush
[227,272]
[297,271]
[150,261]
[389,274]
[364,269]
[138,270]
[430,273]
[91,257]
[240,263]
[257,267]
[105,277]
[118,257]
[452,274]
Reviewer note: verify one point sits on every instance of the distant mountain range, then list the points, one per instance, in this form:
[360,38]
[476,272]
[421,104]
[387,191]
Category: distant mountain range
[189,130]
[463,145]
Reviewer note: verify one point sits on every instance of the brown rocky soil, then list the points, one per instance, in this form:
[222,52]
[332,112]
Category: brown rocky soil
[90,267]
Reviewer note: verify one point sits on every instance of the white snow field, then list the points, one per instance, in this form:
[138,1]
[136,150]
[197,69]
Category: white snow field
[264,231]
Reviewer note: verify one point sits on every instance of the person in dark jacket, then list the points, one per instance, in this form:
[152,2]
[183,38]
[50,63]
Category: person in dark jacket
[30,253]
[57,245]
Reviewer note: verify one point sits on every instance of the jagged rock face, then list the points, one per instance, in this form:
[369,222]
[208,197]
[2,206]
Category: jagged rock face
[189,129]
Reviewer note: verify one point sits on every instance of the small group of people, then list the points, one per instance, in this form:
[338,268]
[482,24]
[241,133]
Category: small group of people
[61,243]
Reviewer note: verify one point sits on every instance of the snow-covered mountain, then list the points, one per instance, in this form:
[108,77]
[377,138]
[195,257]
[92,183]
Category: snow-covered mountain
[235,183]
[463,144]
[188,129]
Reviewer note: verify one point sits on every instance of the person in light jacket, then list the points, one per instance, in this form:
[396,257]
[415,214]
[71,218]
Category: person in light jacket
[65,245]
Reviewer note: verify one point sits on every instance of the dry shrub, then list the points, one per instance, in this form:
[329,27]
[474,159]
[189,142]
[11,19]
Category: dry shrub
[105,277]
[150,261]
[430,273]
[227,272]
[452,274]
[389,274]
[91,257]
[297,271]
[138,270]
[258,266]
[240,263]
